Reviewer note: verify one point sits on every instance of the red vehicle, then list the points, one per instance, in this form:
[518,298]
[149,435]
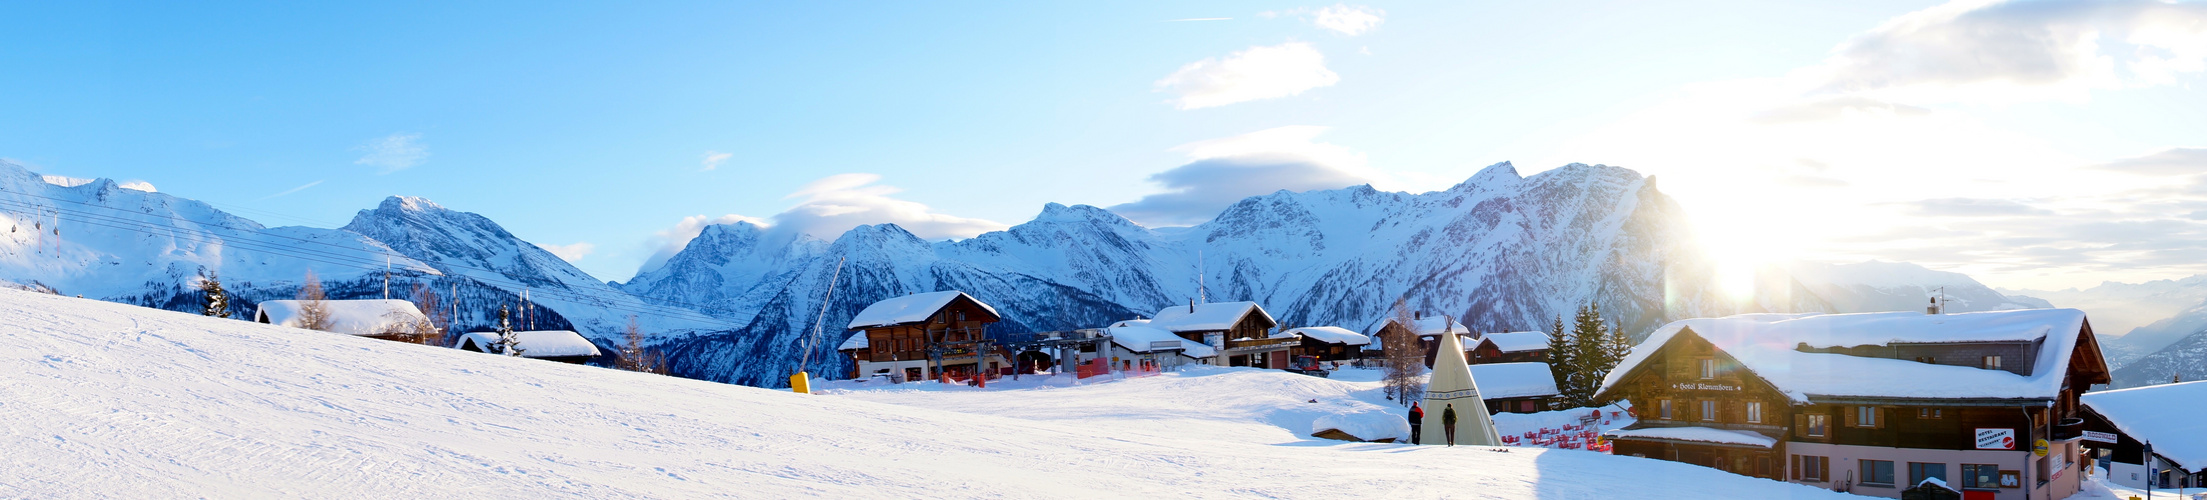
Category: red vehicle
[1307,365]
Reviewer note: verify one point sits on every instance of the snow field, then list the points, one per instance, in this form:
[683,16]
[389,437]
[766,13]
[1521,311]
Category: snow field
[101,400]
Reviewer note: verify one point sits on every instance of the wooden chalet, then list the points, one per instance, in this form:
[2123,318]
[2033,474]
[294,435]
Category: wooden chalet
[1871,404]
[550,345]
[2121,423]
[925,336]
[1511,347]
[1515,387]
[1326,343]
[1237,330]
[1428,329]
[387,319]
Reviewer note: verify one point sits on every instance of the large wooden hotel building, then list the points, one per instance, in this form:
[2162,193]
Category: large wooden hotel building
[1985,404]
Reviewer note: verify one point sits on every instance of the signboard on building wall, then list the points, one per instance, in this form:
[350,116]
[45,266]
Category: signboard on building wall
[2100,437]
[1996,439]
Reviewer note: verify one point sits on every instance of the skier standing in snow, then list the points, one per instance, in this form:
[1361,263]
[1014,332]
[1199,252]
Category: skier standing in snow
[1417,417]
[1448,423]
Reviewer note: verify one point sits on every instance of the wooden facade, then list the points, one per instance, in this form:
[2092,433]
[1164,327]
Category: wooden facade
[1689,383]
[1870,445]
[958,330]
[1486,352]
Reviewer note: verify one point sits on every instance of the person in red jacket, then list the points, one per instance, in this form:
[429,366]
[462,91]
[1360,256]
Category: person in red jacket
[1417,415]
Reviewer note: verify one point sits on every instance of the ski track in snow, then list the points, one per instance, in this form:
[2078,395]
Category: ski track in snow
[103,400]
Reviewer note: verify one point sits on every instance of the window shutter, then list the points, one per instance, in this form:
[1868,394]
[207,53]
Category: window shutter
[1800,428]
[1796,468]
[1824,468]
[1877,418]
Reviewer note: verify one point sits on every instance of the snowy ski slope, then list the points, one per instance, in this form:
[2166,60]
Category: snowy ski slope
[103,400]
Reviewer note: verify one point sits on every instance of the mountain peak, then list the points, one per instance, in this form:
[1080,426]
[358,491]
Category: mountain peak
[1499,174]
[409,204]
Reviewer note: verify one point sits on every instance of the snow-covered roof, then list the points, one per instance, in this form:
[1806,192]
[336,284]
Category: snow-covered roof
[1696,434]
[1328,334]
[540,343]
[1206,317]
[1138,339]
[1514,380]
[2167,415]
[1765,344]
[1432,325]
[857,341]
[912,308]
[1517,341]
[351,317]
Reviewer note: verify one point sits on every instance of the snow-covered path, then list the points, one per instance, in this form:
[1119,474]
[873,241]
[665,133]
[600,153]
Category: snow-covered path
[114,401]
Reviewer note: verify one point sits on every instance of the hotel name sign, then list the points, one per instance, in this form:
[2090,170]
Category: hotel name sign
[1695,386]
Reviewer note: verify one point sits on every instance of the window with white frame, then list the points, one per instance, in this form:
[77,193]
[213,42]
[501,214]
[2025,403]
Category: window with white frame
[1708,368]
[1708,410]
[1754,412]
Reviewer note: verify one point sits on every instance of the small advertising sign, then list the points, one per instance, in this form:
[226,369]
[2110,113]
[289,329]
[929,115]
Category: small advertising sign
[2011,479]
[2100,437]
[2038,447]
[1996,439]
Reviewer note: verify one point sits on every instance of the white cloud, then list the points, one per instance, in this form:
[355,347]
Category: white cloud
[1881,152]
[712,160]
[2174,161]
[1999,52]
[1223,171]
[835,204]
[665,243]
[1351,20]
[393,153]
[1262,72]
[570,253]
[827,208]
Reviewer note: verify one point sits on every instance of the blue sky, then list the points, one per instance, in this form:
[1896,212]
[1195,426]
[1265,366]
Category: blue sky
[1829,131]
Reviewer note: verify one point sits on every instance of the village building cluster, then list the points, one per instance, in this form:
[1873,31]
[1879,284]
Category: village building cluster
[944,336]
[1974,406]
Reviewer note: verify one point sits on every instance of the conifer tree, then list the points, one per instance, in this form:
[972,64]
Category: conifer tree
[1596,348]
[218,301]
[1562,362]
[509,343]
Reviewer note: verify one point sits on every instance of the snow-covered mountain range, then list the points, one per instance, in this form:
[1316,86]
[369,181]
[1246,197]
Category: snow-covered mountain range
[1500,251]
[137,246]
[2136,320]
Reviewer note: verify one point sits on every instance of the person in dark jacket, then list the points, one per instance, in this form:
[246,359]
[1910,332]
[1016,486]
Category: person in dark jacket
[1417,416]
[1448,423]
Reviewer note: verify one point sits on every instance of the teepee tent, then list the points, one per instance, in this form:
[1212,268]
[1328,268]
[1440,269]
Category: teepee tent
[1452,387]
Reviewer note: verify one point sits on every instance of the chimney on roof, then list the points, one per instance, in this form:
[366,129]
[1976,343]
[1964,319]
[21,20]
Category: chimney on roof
[1417,315]
[1191,306]
[1933,308]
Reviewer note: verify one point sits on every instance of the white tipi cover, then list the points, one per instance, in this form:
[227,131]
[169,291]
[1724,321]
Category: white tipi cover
[1452,386]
